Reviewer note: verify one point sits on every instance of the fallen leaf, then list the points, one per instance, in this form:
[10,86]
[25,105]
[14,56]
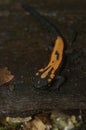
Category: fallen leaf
[5,76]
[17,119]
[37,124]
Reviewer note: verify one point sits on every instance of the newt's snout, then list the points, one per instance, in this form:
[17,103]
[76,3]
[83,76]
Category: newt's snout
[41,83]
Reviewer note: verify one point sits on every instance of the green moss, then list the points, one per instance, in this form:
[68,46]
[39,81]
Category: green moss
[9,126]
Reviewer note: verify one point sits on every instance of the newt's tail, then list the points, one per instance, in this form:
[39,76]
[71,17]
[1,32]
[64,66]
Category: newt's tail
[50,26]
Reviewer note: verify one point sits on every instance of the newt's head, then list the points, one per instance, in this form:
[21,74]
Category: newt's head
[42,83]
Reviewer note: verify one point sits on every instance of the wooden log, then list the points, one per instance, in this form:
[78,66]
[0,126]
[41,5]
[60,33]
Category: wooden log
[23,49]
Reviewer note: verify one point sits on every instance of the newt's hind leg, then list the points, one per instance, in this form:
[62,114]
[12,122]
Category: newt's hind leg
[73,53]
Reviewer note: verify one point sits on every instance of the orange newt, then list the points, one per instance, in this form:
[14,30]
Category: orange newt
[44,77]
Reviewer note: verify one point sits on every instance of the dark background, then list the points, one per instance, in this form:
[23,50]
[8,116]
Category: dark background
[23,49]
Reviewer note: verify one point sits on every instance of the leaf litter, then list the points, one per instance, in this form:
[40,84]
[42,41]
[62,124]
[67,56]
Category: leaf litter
[44,121]
[5,76]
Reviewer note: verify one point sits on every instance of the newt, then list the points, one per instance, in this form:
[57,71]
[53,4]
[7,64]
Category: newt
[44,77]
[47,74]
